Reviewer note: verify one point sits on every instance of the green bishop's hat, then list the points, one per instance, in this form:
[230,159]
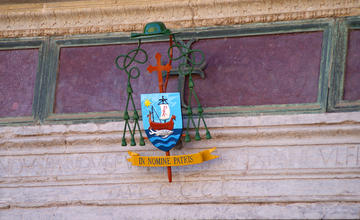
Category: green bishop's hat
[153,29]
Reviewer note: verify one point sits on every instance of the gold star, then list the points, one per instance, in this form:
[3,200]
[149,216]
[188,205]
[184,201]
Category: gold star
[147,103]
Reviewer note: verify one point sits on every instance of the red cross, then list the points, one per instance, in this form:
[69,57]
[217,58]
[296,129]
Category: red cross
[159,68]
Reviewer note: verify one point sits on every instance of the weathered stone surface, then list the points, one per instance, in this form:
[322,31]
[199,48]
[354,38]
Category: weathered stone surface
[285,166]
[80,17]
[245,160]
[193,211]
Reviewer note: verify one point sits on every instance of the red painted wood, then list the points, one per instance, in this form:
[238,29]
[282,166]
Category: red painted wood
[169,168]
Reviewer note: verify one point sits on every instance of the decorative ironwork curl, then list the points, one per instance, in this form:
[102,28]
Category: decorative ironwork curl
[187,54]
[128,60]
[186,68]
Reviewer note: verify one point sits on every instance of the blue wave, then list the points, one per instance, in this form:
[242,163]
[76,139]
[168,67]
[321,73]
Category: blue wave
[159,141]
[165,144]
[172,137]
[159,145]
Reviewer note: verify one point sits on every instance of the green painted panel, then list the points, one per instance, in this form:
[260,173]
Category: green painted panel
[20,44]
[336,98]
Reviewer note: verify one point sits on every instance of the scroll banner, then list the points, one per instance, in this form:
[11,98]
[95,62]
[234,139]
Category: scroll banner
[166,161]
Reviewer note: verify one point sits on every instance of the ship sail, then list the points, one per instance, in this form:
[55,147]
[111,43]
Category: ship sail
[165,111]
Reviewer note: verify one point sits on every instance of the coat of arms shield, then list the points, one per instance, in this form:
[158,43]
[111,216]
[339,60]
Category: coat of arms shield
[162,120]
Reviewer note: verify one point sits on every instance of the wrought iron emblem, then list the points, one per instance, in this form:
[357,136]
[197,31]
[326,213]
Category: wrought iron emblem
[161,112]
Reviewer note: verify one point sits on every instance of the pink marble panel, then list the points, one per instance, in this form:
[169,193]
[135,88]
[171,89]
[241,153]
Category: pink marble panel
[260,70]
[255,70]
[352,72]
[17,81]
[88,80]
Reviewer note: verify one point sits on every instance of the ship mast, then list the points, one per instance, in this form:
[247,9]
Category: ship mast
[152,114]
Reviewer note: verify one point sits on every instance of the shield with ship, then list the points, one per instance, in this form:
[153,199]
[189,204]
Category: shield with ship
[161,113]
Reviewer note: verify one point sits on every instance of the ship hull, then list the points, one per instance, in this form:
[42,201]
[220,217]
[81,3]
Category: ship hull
[162,126]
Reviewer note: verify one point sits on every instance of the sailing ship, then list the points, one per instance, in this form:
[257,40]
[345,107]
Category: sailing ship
[164,115]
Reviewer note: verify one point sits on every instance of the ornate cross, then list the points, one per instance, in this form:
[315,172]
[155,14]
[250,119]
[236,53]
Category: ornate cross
[159,68]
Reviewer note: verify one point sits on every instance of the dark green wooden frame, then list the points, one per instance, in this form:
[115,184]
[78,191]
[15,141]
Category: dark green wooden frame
[336,102]
[28,43]
[57,43]
[49,61]
[324,25]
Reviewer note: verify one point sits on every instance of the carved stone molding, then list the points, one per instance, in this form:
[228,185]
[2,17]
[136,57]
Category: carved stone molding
[311,158]
[88,16]
[336,210]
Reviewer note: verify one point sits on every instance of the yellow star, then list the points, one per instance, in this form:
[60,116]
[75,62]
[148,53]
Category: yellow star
[147,103]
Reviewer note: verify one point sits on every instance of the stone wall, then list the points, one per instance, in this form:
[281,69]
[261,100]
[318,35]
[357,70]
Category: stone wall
[103,16]
[290,166]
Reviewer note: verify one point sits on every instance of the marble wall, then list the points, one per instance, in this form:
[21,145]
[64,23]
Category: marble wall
[290,166]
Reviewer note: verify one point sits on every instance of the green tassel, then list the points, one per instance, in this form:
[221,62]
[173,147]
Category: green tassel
[126,116]
[129,89]
[136,116]
[133,142]
[197,136]
[187,137]
[142,142]
[123,142]
[208,135]
[189,111]
[191,83]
